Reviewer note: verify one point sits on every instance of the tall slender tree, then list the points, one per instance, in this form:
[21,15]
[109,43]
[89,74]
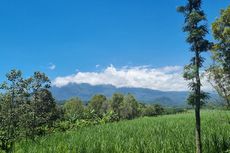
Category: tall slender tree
[195,27]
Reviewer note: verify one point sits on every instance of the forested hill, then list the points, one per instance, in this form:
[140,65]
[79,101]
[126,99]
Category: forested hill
[86,91]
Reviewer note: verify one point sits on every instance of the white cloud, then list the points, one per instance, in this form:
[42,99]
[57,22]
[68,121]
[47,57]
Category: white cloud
[97,66]
[52,66]
[167,78]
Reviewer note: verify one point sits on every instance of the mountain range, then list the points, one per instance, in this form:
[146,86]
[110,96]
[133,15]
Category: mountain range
[86,91]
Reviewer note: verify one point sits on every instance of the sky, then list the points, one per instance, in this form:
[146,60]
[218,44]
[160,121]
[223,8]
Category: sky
[119,42]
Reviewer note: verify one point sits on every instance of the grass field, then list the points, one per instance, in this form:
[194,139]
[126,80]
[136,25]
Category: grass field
[164,134]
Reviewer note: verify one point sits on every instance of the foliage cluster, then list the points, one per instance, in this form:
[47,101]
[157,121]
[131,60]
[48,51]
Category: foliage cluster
[101,110]
[27,108]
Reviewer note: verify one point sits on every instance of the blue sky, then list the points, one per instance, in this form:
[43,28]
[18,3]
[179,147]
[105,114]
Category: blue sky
[78,35]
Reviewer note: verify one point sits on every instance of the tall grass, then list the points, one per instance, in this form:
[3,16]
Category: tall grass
[164,134]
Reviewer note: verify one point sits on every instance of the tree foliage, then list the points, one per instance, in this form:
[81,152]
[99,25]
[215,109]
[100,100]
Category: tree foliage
[153,110]
[9,110]
[26,106]
[204,96]
[129,107]
[41,105]
[116,102]
[73,109]
[219,72]
[98,104]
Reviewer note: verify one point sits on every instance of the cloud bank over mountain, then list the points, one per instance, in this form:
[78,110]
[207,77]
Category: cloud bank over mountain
[169,78]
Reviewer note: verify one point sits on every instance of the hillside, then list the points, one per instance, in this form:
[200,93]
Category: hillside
[86,91]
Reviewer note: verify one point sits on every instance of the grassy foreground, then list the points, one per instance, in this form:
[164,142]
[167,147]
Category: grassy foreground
[165,134]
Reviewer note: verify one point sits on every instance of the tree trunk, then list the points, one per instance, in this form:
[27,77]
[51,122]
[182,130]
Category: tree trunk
[228,103]
[197,105]
[198,130]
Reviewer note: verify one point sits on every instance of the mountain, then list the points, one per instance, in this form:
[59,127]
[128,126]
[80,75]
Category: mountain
[86,91]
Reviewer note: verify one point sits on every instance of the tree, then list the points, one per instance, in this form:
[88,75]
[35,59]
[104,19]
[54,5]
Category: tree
[26,106]
[158,109]
[9,112]
[219,72]
[45,108]
[41,105]
[97,104]
[129,107]
[74,109]
[116,102]
[196,29]
[153,110]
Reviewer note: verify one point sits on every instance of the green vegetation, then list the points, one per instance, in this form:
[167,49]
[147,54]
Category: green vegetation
[219,72]
[73,109]
[28,110]
[32,122]
[164,134]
